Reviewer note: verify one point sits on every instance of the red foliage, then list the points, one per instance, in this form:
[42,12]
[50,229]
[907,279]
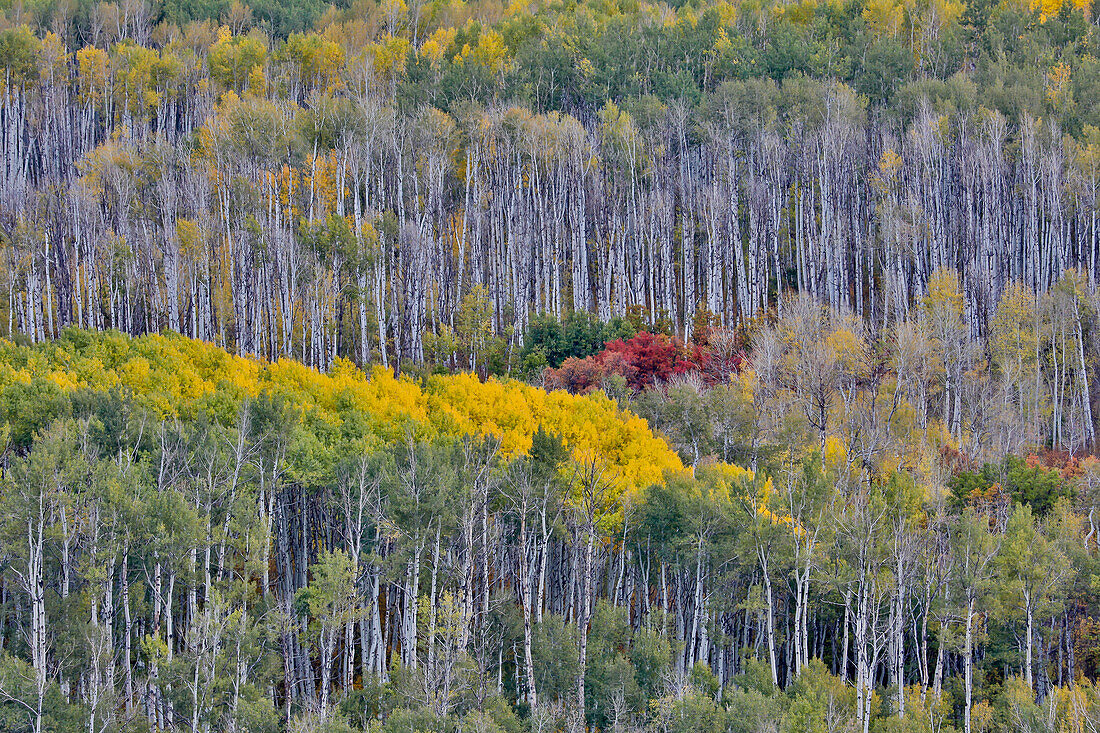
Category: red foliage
[645,359]
[578,376]
[1067,464]
[615,362]
[717,354]
[955,461]
[717,365]
[648,359]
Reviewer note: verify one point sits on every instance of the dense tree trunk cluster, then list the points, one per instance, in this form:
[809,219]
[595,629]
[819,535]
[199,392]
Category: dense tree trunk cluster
[212,580]
[245,569]
[884,307]
[322,223]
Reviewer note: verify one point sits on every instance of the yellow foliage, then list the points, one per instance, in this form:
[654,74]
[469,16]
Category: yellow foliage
[1015,331]
[884,17]
[850,349]
[437,44]
[172,375]
[1050,8]
[835,455]
[190,238]
[319,60]
[106,163]
[890,163]
[728,13]
[944,294]
[53,56]
[748,383]
[144,77]
[728,476]
[257,82]
[489,52]
[388,55]
[235,62]
[393,8]
[94,65]
[321,175]
[1057,83]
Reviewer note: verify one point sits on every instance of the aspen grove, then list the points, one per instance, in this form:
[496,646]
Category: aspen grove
[340,192]
[453,367]
[197,541]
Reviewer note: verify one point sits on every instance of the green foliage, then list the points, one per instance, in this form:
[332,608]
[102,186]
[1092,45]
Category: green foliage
[269,511]
[283,19]
[27,408]
[650,655]
[819,701]
[693,712]
[404,720]
[556,663]
[184,11]
[548,341]
[610,677]
[1036,486]
[1022,481]
[20,701]
[329,599]
[749,710]
[756,677]
[565,57]
[19,49]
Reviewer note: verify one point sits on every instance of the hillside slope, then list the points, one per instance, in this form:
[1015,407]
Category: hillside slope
[343,411]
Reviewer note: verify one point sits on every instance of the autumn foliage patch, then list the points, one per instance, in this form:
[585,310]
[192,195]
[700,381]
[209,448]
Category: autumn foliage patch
[648,359]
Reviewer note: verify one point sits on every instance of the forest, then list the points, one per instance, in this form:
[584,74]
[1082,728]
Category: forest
[196,541]
[454,366]
[323,182]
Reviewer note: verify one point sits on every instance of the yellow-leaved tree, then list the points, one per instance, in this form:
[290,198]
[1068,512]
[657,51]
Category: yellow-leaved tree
[348,408]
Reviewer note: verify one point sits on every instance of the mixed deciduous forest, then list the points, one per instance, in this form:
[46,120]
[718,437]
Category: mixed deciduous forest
[320,181]
[454,367]
[196,541]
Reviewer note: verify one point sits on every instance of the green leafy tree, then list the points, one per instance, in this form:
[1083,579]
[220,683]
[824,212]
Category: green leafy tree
[332,602]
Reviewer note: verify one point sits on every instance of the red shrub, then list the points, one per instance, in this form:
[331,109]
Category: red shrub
[1067,464]
[650,358]
[615,362]
[647,359]
[578,376]
[955,461]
